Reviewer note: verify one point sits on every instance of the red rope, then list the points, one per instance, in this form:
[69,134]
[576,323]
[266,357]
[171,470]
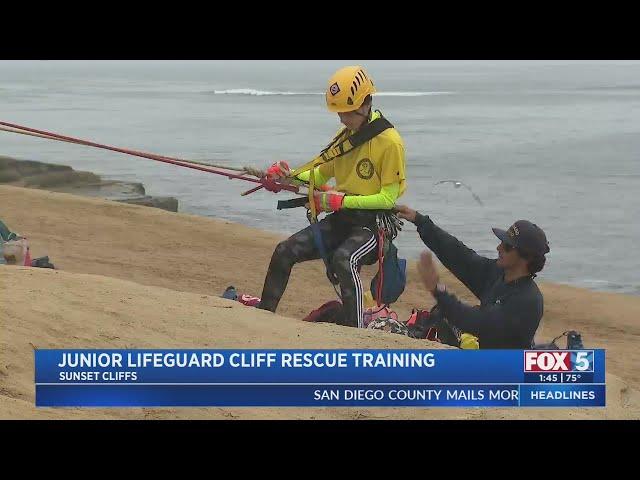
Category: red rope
[380,269]
[160,158]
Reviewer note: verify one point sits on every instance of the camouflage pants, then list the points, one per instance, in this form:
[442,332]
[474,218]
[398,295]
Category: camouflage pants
[350,242]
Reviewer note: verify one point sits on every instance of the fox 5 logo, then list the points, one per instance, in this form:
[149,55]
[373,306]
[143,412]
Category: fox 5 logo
[558,361]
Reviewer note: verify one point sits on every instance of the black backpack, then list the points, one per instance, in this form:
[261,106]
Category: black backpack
[434,326]
[42,262]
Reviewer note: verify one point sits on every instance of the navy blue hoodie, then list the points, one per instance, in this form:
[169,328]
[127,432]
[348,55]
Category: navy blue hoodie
[509,312]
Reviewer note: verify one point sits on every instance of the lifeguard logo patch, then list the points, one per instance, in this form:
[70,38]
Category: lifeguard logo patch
[364,169]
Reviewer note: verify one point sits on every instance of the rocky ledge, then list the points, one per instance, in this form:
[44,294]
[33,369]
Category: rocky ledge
[62,178]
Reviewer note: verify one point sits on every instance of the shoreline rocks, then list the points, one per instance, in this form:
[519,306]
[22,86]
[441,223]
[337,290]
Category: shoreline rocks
[64,179]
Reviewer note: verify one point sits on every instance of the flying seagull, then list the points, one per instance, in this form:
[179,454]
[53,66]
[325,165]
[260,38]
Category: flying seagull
[458,184]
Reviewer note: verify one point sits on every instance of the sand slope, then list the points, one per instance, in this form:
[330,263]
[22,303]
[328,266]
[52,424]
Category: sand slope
[63,310]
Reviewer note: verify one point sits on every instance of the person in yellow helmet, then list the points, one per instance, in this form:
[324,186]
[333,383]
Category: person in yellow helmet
[369,179]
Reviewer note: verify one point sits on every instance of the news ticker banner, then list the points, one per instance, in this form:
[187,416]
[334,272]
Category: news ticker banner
[320,378]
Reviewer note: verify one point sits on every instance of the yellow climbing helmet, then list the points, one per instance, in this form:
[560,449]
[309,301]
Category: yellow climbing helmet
[347,89]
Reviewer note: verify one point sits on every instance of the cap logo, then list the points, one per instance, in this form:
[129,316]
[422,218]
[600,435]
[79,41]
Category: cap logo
[513,231]
[334,89]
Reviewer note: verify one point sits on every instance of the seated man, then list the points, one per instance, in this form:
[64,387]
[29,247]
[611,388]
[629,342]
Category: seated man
[511,304]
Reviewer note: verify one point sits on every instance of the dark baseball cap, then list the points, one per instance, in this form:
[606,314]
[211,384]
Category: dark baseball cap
[525,236]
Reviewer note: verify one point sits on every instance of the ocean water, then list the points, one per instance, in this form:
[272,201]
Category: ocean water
[554,142]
